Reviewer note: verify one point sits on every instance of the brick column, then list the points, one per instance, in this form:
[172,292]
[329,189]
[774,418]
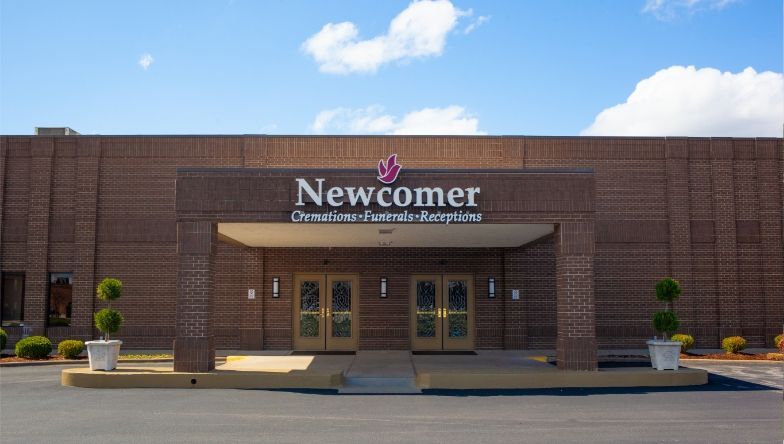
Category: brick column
[574,251]
[194,344]
[36,279]
[726,246]
[680,226]
[87,165]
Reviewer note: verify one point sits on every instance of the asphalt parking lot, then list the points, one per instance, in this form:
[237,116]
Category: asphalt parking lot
[34,407]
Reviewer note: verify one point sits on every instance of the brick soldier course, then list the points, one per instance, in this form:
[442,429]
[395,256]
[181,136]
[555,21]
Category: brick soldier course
[626,211]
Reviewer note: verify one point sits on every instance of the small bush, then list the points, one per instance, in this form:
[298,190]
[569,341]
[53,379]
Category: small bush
[665,322]
[668,290]
[3,339]
[687,341]
[70,349]
[109,289]
[33,347]
[733,344]
[777,341]
[108,321]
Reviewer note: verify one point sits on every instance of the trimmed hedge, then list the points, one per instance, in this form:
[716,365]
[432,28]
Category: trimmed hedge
[777,341]
[108,321]
[109,289]
[733,344]
[3,339]
[665,322]
[70,348]
[687,341]
[33,347]
[668,290]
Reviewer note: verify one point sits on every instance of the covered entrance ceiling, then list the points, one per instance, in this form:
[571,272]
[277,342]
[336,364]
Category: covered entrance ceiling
[383,235]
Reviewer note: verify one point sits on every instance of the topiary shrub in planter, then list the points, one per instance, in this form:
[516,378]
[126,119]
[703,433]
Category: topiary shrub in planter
[3,339]
[104,354]
[733,344]
[687,341]
[70,348]
[664,353]
[777,341]
[33,347]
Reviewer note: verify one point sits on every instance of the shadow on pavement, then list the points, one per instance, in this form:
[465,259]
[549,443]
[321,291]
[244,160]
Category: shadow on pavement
[716,383]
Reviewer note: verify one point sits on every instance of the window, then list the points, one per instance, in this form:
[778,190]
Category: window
[12,296]
[60,298]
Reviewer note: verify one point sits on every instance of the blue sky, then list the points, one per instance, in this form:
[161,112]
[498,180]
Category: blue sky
[524,67]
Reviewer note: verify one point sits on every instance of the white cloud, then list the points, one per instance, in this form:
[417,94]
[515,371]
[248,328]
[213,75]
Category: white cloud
[671,9]
[451,120]
[481,20]
[418,31]
[146,60]
[685,101]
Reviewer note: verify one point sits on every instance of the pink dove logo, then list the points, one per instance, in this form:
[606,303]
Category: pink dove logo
[388,171]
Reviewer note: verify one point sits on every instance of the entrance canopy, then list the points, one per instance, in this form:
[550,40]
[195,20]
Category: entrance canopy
[384,235]
[270,207]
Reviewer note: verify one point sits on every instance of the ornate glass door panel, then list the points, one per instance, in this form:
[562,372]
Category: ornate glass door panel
[426,309]
[309,312]
[458,312]
[442,312]
[341,318]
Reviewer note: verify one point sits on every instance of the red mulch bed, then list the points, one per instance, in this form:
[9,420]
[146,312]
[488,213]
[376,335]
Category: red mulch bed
[13,358]
[729,356]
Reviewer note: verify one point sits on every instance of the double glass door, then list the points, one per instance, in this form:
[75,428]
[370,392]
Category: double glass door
[442,312]
[326,312]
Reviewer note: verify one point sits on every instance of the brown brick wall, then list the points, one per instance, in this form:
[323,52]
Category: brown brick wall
[706,211]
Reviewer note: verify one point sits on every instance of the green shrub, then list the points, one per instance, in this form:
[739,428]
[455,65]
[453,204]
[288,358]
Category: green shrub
[733,344]
[668,290]
[33,347]
[109,289]
[108,321]
[3,339]
[777,341]
[687,341]
[665,322]
[70,348]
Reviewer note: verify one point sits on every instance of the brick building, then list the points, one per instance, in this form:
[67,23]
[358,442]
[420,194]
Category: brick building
[268,242]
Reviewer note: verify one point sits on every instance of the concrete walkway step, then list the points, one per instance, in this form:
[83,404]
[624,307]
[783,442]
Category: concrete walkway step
[359,385]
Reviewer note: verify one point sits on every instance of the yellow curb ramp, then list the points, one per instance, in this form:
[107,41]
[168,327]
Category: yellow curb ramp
[605,378]
[152,377]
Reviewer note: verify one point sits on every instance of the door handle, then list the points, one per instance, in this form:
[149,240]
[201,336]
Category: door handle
[328,315]
[322,312]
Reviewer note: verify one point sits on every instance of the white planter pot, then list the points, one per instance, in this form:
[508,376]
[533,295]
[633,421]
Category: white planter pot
[103,354]
[665,355]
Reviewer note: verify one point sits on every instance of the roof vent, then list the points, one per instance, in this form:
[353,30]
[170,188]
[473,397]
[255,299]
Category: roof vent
[54,131]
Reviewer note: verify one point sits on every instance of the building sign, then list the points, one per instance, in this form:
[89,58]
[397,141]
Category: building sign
[400,204]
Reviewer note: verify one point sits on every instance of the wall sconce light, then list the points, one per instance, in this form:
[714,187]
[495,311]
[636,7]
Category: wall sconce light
[275,287]
[491,288]
[383,288]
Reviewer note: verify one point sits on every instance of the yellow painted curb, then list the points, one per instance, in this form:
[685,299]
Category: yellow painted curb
[165,378]
[487,379]
[235,358]
[539,358]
